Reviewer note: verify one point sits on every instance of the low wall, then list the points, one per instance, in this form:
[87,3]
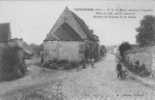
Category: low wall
[142,57]
[145,55]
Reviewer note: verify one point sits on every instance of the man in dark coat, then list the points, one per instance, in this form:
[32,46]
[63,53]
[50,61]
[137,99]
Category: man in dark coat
[119,70]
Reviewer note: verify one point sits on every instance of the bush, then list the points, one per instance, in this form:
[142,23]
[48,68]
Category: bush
[123,48]
[36,49]
[11,66]
[9,58]
[64,64]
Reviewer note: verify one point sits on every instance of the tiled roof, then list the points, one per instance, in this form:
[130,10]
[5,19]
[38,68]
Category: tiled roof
[75,25]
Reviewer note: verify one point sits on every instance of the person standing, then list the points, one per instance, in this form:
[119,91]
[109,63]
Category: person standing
[119,70]
[92,62]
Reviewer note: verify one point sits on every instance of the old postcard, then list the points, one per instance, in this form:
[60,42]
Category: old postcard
[77,49]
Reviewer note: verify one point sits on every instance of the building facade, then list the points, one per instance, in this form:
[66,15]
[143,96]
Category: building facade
[69,38]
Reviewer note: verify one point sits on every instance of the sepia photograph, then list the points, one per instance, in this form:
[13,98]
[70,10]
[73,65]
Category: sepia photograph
[77,49]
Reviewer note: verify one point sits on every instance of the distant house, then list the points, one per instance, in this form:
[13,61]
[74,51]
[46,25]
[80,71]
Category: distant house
[5,33]
[145,55]
[18,42]
[5,39]
[68,39]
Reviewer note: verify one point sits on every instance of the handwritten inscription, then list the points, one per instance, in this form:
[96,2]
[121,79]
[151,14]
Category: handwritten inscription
[114,12]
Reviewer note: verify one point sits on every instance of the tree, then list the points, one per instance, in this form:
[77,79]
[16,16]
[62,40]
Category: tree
[36,49]
[124,47]
[146,31]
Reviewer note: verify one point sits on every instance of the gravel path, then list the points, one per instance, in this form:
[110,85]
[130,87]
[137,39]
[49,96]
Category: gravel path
[99,83]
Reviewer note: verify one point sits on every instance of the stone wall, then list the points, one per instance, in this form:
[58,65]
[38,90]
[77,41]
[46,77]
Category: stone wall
[63,50]
[143,55]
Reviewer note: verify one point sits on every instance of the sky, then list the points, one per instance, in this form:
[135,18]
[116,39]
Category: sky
[32,20]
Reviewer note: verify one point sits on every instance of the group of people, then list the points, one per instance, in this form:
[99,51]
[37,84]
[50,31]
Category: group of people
[136,68]
[90,55]
[88,61]
[121,72]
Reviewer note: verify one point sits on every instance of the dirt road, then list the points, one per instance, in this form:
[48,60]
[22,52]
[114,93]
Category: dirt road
[99,83]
